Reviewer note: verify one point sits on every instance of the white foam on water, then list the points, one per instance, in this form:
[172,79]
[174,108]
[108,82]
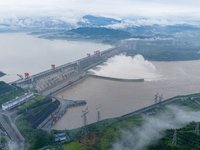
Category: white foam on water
[127,67]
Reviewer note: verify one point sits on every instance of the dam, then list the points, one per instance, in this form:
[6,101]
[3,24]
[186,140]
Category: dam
[119,98]
[53,80]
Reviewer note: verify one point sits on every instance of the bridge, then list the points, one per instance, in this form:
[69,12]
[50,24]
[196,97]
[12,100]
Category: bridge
[50,81]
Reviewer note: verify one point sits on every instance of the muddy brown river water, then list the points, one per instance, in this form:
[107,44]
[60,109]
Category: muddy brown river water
[119,98]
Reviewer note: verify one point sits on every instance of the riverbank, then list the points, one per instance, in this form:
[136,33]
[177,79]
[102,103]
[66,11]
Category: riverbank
[117,132]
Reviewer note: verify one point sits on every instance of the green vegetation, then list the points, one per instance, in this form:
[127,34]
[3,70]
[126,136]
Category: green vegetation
[186,139]
[7,121]
[4,88]
[107,134]
[33,115]
[47,148]
[41,139]
[96,33]
[2,128]
[29,103]
[28,122]
[37,116]
[110,130]
[2,74]
[36,102]
[9,92]
[75,146]
[3,140]
[111,42]
[35,138]
[166,50]
[166,55]
[39,97]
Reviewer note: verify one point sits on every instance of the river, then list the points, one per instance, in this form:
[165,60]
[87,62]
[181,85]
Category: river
[21,53]
[119,98]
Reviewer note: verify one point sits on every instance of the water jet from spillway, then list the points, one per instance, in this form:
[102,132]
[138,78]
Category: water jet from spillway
[127,67]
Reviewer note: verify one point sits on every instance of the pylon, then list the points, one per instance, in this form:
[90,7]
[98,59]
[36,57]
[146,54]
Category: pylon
[156,98]
[174,138]
[85,130]
[197,128]
[98,116]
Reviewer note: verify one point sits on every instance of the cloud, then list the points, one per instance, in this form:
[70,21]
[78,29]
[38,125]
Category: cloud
[149,22]
[153,128]
[143,22]
[71,11]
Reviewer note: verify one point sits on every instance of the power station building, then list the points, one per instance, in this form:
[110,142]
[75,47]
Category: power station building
[17,101]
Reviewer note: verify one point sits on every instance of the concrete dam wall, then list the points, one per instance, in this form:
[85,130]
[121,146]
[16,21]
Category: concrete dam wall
[51,81]
[68,82]
[117,79]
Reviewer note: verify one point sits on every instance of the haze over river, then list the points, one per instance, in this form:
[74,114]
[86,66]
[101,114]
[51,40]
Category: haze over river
[21,53]
[119,98]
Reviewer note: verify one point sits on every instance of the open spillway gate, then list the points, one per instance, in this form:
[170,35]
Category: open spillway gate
[51,81]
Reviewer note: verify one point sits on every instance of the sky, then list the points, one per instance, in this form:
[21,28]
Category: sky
[72,10]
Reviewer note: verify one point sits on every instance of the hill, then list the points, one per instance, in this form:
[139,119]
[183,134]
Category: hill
[186,138]
[101,33]
[147,130]
[94,21]
[2,74]
[9,92]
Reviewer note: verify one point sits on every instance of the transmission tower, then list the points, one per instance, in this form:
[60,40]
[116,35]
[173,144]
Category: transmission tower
[98,116]
[160,98]
[85,112]
[197,128]
[156,98]
[174,138]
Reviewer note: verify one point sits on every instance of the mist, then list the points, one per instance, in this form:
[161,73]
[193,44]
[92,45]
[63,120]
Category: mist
[36,13]
[127,67]
[153,128]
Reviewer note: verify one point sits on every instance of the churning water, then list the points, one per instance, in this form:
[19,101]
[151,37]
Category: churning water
[119,98]
[127,67]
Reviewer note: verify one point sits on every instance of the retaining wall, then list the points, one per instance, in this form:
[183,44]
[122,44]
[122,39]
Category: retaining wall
[65,84]
[63,111]
[146,109]
[49,118]
[117,79]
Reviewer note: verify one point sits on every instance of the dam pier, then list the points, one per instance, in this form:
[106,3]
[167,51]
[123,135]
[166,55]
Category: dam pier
[53,80]
[56,79]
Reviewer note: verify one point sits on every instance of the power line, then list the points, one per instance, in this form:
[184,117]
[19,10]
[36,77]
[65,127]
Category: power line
[85,112]
[186,139]
[98,116]
[160,98]
[197,128]
[156,98]
[174,138]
